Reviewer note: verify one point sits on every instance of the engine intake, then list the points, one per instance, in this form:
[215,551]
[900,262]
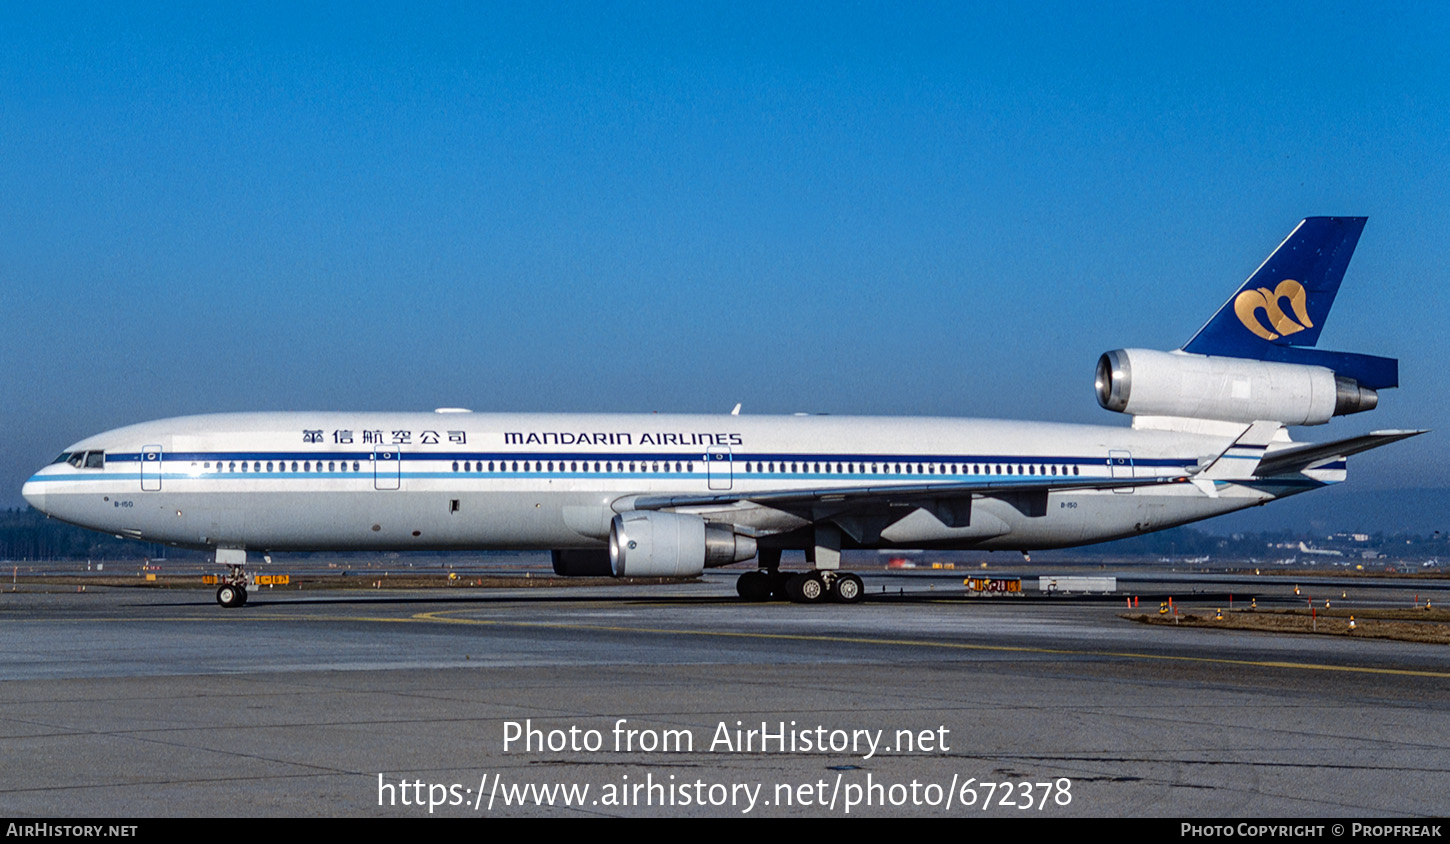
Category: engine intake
[1142,382]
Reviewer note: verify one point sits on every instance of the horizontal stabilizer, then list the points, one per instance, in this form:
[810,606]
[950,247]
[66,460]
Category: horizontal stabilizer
[1297,459]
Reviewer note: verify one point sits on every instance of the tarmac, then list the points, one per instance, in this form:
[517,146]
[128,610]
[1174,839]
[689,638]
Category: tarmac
[680,700]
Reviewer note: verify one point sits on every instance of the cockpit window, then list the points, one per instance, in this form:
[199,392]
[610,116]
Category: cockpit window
[63,458]
[84,459]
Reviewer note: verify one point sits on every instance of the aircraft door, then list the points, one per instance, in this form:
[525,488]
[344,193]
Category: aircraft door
[387,467]
[1120,465]
[151,468]
[719,465]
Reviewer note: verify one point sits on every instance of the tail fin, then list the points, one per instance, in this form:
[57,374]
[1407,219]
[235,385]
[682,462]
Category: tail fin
[1278,313]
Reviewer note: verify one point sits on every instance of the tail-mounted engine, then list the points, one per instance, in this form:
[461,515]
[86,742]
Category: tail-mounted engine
[1142,382]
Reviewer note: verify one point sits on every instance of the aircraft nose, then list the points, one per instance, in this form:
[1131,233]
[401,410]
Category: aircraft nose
[35,494]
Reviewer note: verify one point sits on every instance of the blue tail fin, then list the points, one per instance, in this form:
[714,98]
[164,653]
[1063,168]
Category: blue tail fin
[1278,313]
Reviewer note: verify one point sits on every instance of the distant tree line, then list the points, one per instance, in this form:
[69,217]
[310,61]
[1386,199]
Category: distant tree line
[26,534]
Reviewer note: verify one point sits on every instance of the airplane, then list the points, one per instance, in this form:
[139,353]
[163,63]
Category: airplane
[671,495]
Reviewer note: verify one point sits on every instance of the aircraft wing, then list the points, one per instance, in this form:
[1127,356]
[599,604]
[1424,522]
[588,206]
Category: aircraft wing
[898,495]
[1296,459]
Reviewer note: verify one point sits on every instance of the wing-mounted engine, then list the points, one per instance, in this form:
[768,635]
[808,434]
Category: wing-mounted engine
[1143,382]
[656,544]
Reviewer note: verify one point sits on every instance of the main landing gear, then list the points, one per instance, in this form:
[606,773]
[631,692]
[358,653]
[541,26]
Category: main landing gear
[815,586]
[825,583]
[808,587]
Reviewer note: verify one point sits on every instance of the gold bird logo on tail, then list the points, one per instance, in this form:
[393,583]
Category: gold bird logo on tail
[1248,303]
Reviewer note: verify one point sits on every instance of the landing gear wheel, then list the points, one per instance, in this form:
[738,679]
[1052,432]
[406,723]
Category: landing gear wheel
[807,588]
[779,586]
[847,589]
[754,586]
[230,595]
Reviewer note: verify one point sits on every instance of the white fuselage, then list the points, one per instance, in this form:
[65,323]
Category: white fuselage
[401,481]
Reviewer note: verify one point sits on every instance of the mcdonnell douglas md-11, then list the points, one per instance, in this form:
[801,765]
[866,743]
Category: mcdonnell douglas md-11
[672,495]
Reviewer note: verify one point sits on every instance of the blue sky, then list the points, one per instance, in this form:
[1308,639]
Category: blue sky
[879,208]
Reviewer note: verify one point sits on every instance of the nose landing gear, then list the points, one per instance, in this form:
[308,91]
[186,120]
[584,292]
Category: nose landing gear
[233,590]
[231,596]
